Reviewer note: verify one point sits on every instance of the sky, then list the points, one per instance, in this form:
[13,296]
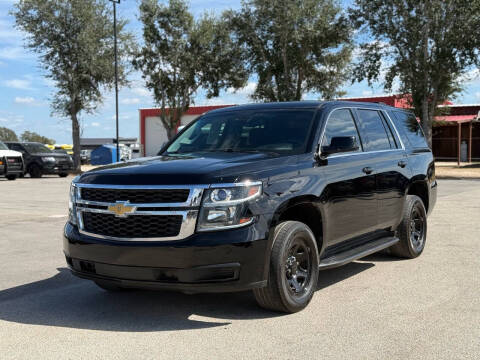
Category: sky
[25,93]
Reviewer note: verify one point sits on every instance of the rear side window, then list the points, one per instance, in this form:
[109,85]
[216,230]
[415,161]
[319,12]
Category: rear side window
[340,124]
[374,134]
[408,125]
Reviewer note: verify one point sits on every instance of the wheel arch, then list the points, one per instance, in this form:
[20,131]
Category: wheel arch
[420,189]
[306,209]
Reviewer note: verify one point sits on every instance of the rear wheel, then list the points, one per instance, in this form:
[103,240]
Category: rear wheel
[35,171]
[293,273]
[412,231]
[11,177]
[63,174]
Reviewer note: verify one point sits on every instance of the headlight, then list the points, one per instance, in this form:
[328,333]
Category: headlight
[48,159]
[72,209]
[225,207]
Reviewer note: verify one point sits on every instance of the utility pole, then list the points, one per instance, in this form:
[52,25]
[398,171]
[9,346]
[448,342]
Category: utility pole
[115,2]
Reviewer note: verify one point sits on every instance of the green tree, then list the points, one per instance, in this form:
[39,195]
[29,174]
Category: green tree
[181,55]
[74,39]
[7,134]
[427,46]
[293,46]
[33,136]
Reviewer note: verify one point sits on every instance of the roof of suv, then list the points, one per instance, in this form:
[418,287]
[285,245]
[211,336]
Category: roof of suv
[298,105]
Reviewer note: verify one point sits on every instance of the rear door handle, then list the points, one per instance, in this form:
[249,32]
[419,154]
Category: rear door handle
[402,163]
[367,170]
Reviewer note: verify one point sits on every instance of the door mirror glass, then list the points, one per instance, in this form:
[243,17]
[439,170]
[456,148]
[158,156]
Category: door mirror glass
[340,144]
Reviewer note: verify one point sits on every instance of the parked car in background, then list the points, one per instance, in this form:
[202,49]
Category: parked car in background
[40,160]
[257,197]
[85,156]
[11,162]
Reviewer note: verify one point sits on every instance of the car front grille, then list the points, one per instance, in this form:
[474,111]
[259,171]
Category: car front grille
[14,163]
[135,226]
[137,196]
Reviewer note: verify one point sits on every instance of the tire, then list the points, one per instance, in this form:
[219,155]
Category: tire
[62,175]
[108,286]
[35,171]
[294,251]
[412,231]
[11,177]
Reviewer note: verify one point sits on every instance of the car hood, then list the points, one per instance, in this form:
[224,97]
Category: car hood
[9,153]
[187,170]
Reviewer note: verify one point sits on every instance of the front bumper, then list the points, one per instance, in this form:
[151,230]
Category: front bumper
[222,261]
[55,169]
[10,169]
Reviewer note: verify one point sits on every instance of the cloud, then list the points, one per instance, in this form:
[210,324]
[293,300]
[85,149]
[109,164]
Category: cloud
[95,124]
[247,90]
[140,91]
[24,100]
[367,92]
[14,53]
[477,95]
[18,84]
[130,101]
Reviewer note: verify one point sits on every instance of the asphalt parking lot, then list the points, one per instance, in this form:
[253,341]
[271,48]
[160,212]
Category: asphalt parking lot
[375,308]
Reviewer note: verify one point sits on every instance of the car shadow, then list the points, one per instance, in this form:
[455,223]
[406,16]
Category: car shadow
[66,301]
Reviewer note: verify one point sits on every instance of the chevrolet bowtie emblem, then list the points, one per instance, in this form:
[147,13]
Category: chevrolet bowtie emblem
[121,209]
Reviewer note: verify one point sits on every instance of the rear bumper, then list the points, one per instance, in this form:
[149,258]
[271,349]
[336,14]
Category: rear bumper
[432,198]
[225,261]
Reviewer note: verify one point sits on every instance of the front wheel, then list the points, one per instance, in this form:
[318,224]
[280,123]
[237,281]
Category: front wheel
[293,273]
[11,177]
[35,171]
[63,175]
[412,231]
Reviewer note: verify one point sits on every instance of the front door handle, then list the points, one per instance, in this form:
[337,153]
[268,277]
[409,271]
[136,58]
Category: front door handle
[367,170]
[402,163]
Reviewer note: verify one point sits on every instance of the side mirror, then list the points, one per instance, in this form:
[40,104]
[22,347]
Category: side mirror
[340,144]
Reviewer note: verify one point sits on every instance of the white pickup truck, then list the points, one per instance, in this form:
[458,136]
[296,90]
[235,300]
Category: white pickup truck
[11,162]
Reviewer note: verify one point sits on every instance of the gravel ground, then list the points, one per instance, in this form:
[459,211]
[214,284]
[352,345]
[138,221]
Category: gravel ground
[375,308]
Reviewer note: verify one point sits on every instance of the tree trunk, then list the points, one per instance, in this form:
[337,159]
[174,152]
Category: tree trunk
[426,121]
[76,143]
[171,133]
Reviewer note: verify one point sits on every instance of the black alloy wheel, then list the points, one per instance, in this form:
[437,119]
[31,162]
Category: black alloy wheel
[293,273]
[35,171]
[412,231]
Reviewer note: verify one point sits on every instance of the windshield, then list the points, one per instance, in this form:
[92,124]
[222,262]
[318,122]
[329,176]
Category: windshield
[3,146]
[33,148]
[283,132]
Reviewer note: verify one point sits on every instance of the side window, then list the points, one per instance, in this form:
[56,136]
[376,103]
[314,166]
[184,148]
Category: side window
[340,125]
[16,147]
[408,125]
[392,138]
[374,135]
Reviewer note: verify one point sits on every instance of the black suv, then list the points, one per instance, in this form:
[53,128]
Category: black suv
[40,160]
[256,197]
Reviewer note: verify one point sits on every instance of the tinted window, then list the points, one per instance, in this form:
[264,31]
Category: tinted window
[275,131]
[394,144]
[36,148]
[16,147]
[408,125]
[340,124]
[374,135]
